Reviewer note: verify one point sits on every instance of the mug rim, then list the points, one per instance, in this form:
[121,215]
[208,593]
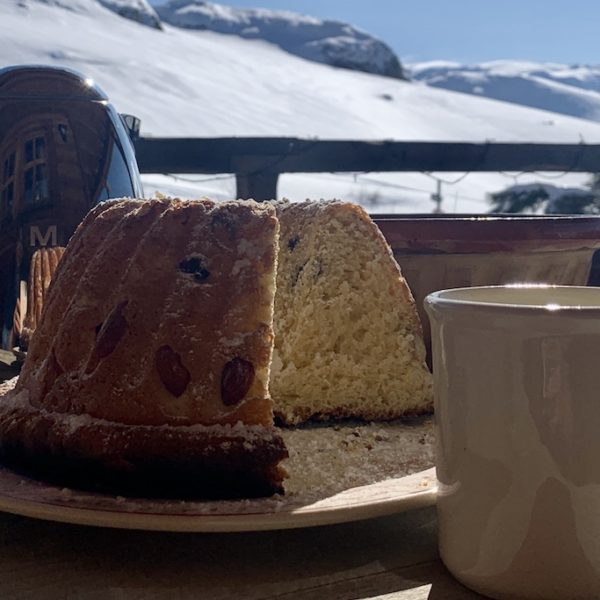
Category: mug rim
[480,298]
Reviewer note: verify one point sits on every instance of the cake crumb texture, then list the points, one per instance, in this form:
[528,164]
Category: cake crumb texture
[348,340]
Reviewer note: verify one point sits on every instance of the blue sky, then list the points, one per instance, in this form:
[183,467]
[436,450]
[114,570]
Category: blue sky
[563,31]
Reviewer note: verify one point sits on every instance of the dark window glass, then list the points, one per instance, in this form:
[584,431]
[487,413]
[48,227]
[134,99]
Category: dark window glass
[40,148]
[40,188]
[7,200]
[9,192]
[28,180]
[34,171]
[9,166]
[29,151]
[63,130]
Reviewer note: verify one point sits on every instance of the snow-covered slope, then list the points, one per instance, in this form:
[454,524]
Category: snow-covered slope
[569,90]
[330,42]
[199,83]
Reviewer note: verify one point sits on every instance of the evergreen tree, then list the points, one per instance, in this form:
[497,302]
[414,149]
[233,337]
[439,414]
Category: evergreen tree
[519,200]
[536,199]
[573,204]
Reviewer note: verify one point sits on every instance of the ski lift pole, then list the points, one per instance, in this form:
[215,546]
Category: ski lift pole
[437,197]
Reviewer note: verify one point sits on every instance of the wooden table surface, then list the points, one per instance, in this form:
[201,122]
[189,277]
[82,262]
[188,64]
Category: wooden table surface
[386,558]
[390,558]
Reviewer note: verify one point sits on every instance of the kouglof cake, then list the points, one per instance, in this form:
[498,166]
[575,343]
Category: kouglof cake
[348,340]
[173,331]
[148,371]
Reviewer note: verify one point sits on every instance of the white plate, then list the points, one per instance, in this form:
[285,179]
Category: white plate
[31,498]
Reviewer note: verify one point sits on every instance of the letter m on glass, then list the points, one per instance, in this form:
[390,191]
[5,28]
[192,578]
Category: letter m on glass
[37,238]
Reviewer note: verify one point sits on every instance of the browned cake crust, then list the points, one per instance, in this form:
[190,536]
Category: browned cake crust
[149,461]
[146,288]
[149,366]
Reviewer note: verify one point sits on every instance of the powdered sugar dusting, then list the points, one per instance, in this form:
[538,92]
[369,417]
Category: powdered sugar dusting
[70,423]
[8,385]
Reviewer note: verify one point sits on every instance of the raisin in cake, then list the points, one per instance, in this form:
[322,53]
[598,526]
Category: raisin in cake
[348,340]
[149,369]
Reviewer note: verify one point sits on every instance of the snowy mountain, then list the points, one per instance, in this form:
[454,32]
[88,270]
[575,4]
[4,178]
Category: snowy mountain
[330,42]
[136,10]
[569,90]
[184,82]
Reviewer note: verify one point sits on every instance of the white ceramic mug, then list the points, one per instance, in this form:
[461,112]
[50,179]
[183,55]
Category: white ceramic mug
[517,393]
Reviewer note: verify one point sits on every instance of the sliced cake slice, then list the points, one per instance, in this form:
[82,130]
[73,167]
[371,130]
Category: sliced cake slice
[348,340]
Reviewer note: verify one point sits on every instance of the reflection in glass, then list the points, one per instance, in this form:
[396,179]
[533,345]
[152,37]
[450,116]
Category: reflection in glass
[63,148]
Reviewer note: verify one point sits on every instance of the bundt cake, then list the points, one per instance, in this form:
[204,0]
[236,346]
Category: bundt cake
[148,372]
[348,340]
[150,367]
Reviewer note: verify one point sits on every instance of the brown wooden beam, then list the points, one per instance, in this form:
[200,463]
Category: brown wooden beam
[248,157]
[260,186]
